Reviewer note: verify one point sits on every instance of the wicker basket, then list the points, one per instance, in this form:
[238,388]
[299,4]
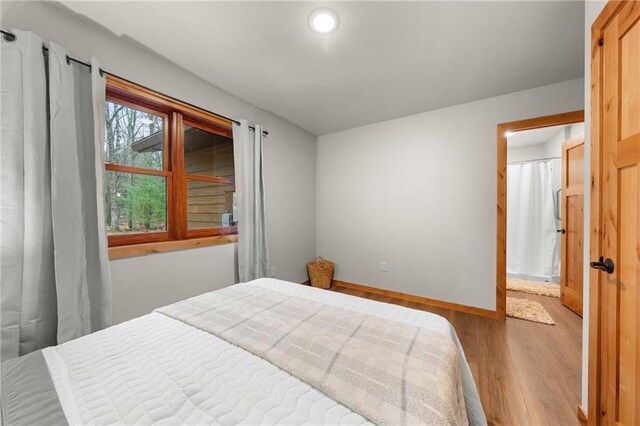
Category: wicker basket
[320,272]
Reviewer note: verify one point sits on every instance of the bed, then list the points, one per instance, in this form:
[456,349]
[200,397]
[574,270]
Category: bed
[263,352]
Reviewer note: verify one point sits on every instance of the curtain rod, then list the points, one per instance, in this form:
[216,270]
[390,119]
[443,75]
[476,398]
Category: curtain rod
[9,36]
[534,160]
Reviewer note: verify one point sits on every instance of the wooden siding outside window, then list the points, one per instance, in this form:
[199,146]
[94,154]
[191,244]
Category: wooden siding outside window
[172,147]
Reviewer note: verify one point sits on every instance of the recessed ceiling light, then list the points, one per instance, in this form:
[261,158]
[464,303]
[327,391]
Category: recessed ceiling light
[323,21]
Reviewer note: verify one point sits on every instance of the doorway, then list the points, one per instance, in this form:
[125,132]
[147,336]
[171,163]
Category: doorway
[545,221]
[535,269]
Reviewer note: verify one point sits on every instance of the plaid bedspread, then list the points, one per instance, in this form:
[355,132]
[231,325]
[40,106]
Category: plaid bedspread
[389,372]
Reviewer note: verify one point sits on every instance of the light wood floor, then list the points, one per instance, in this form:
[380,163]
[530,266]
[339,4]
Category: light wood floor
[527,373]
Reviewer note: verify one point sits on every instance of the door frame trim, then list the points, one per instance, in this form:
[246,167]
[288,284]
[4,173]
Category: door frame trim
[566,118]
[595,224]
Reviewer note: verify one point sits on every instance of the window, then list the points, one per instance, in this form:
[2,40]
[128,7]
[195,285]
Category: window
[169,168]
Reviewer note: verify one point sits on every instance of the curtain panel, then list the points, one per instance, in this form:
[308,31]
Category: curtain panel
[253,253]
[532,240]
[54,270]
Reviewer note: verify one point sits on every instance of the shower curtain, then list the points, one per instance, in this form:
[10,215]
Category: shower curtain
[532,240]
[54,267]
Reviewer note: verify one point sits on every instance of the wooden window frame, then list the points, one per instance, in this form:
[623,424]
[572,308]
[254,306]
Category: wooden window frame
[175,115]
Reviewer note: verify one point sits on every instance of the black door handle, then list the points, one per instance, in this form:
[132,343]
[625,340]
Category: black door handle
[561,231]
[604,265]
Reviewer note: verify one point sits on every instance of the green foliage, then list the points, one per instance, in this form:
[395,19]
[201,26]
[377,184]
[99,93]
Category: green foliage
[145,202]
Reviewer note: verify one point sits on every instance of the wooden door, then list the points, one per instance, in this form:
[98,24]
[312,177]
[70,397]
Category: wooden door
[615,345]
[571,241]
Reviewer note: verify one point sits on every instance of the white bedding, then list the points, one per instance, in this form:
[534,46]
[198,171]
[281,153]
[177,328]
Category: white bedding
[155,369]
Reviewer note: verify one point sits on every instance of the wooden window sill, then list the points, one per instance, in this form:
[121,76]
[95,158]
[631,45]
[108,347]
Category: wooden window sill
[167,246]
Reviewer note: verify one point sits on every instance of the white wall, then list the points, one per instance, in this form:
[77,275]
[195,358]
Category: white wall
[419,193]
[576,129]
[591,12]
[550,148]
[553,147]
[524,153]
[140,284]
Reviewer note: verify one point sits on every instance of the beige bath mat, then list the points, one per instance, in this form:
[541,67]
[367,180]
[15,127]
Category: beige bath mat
[533,287]
[529,310]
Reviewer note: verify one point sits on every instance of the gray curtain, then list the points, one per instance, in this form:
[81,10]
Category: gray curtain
[253,254]
[54,270]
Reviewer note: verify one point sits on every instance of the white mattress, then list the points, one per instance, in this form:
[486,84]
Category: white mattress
[155,369]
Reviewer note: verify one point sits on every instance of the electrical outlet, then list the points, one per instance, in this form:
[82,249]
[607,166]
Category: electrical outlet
[273,272]
[383,266]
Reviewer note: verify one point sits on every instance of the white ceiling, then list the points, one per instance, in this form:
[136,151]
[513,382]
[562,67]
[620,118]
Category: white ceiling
[533,137]
[386,60]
